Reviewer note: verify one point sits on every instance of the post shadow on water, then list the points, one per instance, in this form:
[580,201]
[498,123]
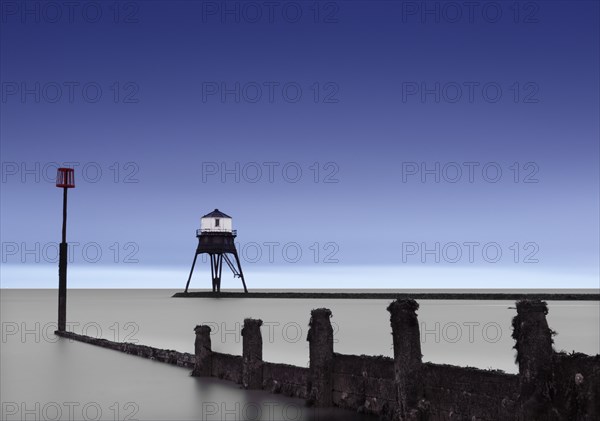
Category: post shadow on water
[159,391]
[219,400]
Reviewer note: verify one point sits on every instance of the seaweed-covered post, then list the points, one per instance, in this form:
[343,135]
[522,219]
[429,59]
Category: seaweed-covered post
[407,356]
[203,351]
[252,362]
[534,355]
[320,338]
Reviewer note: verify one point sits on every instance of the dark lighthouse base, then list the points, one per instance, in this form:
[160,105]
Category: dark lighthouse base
[219,246]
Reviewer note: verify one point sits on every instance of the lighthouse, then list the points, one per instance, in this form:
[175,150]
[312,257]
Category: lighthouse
[216,238]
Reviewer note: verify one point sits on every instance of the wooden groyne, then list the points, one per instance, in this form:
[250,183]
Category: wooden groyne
[549,386]
[169,356]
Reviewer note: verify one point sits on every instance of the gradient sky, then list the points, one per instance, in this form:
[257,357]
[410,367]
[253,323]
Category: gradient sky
[370,117]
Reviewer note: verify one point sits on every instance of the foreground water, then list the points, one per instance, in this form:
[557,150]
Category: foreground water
[46,377]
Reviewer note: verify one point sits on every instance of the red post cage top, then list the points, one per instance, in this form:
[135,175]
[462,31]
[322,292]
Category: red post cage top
[65,177]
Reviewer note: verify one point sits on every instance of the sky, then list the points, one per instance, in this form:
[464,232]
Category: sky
[356,144]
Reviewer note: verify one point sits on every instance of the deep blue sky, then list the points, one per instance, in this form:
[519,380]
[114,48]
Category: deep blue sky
[366,128]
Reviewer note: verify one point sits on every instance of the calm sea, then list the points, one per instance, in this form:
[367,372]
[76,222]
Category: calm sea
[46,378]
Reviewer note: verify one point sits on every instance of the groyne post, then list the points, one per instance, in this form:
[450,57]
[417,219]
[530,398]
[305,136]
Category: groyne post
[203,351]
[407,357]
[320,338]
[252,347]
[534,355]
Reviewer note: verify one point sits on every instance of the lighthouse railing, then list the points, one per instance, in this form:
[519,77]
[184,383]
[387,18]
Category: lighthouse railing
[215,231]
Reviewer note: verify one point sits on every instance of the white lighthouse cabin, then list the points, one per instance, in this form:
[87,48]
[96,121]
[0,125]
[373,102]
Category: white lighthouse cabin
[216,222]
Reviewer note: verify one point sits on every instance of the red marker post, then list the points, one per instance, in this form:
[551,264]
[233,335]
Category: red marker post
[65,178]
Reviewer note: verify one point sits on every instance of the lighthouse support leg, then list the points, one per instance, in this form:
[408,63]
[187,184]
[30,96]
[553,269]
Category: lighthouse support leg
[220,268]
[237,260]
[191,271]
[213,272]
[216,266]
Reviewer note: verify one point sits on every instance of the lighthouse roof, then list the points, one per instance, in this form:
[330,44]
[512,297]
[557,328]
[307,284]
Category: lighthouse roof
[216,214]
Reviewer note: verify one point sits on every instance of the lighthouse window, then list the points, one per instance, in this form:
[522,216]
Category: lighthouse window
[217,222]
